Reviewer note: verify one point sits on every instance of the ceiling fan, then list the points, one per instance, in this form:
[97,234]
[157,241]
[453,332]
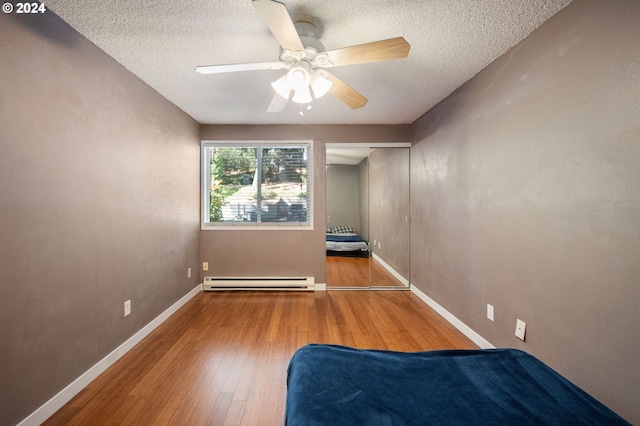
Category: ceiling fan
[306,60]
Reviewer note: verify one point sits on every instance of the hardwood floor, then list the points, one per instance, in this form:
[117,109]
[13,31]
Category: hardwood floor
[222,358]
[358,272]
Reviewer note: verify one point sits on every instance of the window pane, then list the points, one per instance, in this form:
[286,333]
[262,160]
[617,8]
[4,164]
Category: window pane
[232,194]
[264,184]
[284,191]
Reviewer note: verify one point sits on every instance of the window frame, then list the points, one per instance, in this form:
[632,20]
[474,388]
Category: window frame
[205,184]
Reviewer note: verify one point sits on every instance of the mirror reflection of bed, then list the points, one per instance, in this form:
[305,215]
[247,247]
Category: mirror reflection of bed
[367,215]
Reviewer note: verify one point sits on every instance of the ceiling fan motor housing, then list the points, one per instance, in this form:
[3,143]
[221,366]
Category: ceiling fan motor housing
[308,33]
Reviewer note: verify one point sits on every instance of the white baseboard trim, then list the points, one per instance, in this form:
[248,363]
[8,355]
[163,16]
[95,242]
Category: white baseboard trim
[320,287]
[65,395]
[462,327]
[392,271]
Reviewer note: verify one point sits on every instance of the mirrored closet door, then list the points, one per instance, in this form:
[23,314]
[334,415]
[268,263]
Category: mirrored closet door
[367,215]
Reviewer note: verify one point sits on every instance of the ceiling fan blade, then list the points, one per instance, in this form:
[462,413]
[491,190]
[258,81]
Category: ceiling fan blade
[345,93]
[275,15]
[217,69]
[278,103]
[382,50]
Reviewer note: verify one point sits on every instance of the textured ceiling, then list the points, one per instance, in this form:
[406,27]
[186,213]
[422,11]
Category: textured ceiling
[162,41]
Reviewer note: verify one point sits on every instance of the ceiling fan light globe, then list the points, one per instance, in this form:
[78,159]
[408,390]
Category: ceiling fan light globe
[302,96]
[298,78]
[320,85]
[282,87]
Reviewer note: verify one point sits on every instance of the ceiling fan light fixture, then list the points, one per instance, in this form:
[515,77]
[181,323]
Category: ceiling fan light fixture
[302,96]
[298,77]
[320,85]
[281,86]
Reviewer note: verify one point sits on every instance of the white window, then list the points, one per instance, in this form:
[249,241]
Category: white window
[256,185]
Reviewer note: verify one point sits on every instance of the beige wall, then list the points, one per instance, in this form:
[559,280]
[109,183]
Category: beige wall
[285,253]
[99,190]
[326,133]
[342,196]
[363,201]
[389,207]
[525,189]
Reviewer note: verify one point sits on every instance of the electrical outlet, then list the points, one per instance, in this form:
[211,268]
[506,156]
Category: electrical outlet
[127,308]
[205,266]
[520,329]
[188,272]
[490,312]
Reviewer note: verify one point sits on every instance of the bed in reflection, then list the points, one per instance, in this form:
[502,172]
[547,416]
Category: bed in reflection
[343,241]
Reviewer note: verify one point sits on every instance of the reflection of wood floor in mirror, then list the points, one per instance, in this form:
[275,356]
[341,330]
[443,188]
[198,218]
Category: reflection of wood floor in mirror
[354,272]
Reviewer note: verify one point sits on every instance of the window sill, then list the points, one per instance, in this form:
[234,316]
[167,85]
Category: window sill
[255,227]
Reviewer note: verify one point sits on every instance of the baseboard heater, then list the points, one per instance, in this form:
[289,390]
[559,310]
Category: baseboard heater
[259,283]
